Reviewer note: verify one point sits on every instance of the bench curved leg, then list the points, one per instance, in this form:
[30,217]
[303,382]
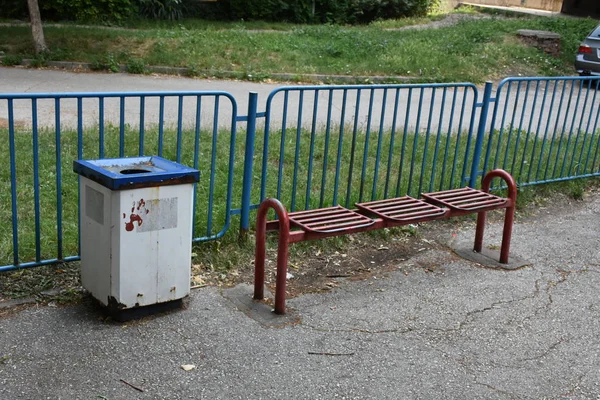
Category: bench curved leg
[509,215]
[479,231]
[509,218]
[282,252]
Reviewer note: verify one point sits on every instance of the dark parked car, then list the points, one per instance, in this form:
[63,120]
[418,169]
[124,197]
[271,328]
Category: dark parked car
[587,61]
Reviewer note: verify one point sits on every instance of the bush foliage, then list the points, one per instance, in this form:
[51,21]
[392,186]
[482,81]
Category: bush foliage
[299,11]
[315,11]
[88,10]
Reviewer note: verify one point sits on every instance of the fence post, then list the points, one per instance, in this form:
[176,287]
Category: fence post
[248,164]
[485,106]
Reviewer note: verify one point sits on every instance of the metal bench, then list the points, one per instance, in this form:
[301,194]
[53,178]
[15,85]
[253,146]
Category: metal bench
[335,221]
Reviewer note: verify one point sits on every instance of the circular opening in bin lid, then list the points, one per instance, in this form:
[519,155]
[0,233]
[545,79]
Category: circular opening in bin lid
[129,171]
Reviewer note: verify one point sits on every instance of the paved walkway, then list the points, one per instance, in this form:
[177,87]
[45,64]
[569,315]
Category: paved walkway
[422,108]
[437,327]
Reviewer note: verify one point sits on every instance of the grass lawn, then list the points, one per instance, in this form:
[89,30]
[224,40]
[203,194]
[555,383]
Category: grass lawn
[474,49]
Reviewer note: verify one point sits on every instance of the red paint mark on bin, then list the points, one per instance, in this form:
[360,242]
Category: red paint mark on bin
[136,211]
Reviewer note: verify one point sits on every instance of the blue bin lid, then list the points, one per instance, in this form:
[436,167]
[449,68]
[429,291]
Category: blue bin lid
[135,172]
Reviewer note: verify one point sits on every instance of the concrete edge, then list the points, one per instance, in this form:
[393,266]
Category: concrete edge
[193,73]
[241,297]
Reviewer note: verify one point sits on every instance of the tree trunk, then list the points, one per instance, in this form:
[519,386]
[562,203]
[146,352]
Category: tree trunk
[36,26]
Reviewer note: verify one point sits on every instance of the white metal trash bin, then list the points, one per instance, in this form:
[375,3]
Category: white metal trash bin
[136,233]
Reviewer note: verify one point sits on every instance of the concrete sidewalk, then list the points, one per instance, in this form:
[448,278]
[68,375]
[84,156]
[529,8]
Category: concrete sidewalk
[426,109]
[437,327]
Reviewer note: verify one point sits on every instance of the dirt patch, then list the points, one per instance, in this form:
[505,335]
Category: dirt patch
[16,124]
[548,42]
[321,266]
[449,20]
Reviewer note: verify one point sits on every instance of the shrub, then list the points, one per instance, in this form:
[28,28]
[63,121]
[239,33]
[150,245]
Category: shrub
[13,9]
[325,11]
[12,59]
[171,10]
[136,66]
[88,10]
[106,63]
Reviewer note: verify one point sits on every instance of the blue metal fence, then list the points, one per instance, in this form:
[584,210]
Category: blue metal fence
[544,129]
[351,143]
[59,128]
[313,146]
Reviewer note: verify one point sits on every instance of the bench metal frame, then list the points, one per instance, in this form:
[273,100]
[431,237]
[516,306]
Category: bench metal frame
[336,221]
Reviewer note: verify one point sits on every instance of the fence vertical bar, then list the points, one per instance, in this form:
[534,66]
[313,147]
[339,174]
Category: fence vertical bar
[141,133]
[59,233]
[122,127]
[36,179]
[179,127]
[485,106]
[13,180]
[101,127]
[248,163]
[79,157]
[161,123]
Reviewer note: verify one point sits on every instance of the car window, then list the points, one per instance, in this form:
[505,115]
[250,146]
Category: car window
[596,32]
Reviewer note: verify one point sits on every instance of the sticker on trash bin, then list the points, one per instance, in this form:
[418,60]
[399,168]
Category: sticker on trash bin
[152,215]
[94,205]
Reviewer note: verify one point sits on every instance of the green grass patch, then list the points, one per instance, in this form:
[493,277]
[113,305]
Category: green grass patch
[472,50]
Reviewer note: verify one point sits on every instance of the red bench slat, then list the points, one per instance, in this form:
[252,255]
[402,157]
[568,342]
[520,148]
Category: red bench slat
[403,209]
[466,199]
[329,220]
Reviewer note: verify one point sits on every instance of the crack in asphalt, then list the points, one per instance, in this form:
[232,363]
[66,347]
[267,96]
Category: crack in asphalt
[495,389]
[357,330]
[469,315]
[546,352]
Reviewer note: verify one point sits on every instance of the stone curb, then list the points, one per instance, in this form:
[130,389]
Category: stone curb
[189,72]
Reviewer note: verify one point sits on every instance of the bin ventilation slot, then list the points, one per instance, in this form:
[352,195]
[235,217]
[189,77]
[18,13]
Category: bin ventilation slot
[129,171]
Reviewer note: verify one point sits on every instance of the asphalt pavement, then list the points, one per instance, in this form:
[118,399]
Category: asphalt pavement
[435,327]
